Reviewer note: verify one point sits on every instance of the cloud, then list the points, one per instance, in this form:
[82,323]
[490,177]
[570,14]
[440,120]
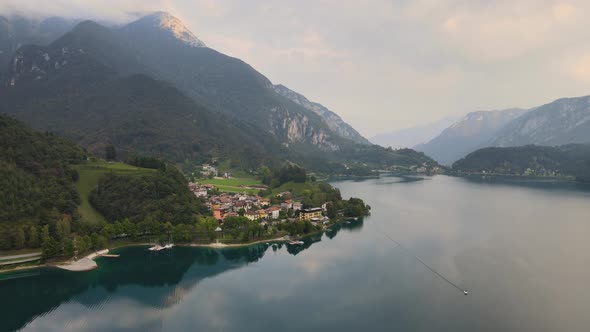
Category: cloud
[579,68]
[385,64]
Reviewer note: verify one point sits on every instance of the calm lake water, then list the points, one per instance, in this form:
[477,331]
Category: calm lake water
[521,249]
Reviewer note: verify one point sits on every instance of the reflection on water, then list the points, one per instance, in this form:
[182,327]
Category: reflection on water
[520,250]
[530,183]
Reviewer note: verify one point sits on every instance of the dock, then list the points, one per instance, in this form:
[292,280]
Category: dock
[84,264]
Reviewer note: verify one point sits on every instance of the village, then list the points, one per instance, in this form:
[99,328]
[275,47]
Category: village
[281,208]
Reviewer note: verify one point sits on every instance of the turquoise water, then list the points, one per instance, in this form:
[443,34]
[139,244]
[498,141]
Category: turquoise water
[521,249]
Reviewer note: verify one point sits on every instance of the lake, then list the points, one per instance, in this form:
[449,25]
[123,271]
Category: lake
[522,249]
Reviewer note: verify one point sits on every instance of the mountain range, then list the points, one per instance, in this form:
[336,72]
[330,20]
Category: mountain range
[16,31]
[153,87]
[412,136]
[468,134]
[563,121]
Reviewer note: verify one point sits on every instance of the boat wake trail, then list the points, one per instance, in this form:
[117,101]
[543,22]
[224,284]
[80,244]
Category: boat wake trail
[464,291]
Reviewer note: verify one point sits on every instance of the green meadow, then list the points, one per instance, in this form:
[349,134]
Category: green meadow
[89,175]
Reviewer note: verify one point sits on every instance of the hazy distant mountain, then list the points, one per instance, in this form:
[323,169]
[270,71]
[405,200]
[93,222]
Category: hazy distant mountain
[16,31]
[468,134]
[563,121]
[333,120]
[410,137]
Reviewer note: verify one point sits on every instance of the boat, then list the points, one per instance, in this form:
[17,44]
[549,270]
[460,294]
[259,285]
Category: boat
[465,292]
[169,246]
[296,242]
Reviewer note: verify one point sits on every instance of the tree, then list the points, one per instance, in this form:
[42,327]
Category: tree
[110,152]
[33,237]
[49,246]
[108,231]
[331,210]
[19,239]
[63,228]
[98,241]
[45,237]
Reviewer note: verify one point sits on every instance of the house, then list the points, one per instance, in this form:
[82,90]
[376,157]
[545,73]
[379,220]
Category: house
[218,213]
[325,206]
[201,192]
[251,215]
[265,202]
[262,214]
[297,206]
[274,212]
[286,205]
[284,194]
[208,170]
[240,205]
[309,214]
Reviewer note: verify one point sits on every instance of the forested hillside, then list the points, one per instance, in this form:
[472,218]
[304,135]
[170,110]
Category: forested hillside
[161,197]
[566,160]
[37,183]
[101,87]
[89,100]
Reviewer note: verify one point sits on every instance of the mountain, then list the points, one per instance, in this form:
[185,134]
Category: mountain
[563,121]
[468,134]
[333,120]
[410,137]
[79,87]
[16,31]
[532,160]
[152,87]
[226,84]
[36,179]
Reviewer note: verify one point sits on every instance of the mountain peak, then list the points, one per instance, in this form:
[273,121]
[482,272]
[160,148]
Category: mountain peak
[175,26]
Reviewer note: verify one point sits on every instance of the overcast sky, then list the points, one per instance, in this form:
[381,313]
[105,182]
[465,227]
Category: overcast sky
[385,65]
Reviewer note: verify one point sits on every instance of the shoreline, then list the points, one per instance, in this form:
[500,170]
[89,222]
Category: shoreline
[562,178]
[219,245]
[69,264]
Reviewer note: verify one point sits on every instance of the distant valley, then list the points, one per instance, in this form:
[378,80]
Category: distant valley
[412,136]
[471,132]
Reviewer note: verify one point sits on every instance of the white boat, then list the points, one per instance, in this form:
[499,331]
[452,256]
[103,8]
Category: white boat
[169,246]
[465,292]
[157,247]
[296,242]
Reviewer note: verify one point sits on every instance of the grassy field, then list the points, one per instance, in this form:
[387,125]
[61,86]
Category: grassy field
[89,175]
[295,188]
[234,185]
[233,182]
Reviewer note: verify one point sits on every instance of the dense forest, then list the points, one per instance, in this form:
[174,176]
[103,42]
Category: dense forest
[37,183]
[531,160]
[163,196]
[276,176]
